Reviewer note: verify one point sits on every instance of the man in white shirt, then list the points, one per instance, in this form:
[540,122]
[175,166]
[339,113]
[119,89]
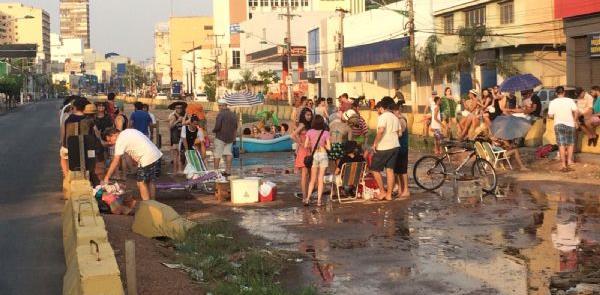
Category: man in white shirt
[139,147]
[564,111]
[386,147]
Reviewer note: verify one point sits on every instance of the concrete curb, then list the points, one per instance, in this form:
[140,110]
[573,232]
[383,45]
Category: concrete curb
[91,264]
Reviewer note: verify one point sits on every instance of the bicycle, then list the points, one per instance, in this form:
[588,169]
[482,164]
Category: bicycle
[433,167]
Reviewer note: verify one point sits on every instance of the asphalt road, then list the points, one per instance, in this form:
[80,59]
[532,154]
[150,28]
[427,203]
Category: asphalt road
[31,255]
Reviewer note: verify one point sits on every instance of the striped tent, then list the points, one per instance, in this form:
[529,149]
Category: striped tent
[242,99]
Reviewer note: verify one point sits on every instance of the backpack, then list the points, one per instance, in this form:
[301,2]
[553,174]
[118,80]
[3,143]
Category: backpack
[543,151]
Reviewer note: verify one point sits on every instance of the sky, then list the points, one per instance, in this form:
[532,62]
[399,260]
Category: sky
[126,26]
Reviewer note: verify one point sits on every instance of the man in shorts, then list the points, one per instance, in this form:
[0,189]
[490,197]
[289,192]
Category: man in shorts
[564,111]
[139,147]
[386,147]
[225,131]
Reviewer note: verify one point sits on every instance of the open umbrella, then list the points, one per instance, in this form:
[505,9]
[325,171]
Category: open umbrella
[510,127]
[243,99]
[177,103]
[520,83]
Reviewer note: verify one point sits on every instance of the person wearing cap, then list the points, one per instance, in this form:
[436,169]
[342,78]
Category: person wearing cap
[386,147]
[225,130]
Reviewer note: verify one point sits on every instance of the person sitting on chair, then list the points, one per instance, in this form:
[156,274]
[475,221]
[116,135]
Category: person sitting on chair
[352,154]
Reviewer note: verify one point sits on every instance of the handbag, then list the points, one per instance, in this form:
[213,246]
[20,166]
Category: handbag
[308,160]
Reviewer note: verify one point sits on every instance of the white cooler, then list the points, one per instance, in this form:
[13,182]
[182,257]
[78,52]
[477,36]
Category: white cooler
[245,190]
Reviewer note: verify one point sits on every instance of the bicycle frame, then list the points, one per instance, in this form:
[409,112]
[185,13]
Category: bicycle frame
[464,162]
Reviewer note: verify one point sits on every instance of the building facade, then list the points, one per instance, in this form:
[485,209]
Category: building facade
[265,6]
[27,25]
[582,30]
[186,33]
[63,49]
[75,20]
[228,15]
[522,37]
[162,54]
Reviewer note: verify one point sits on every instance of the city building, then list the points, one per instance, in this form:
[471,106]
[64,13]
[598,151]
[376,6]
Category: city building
[62,49]
[371,61]
[195,64]
[75,20]
[162,54]
[266,6]
[228,15]
[523,37]
[27,25]
[582,30]
[186,33]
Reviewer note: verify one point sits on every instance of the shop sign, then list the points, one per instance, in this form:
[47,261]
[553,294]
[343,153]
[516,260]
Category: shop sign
[595,45]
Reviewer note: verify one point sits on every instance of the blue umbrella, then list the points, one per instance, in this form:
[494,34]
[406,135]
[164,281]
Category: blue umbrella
[520,83]
[510,127]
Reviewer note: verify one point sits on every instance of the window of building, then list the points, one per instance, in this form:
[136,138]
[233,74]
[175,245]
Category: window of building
[252,3]
[475,17]
[507,13]
[275,3]
[294,3]
[304,2]
[236,61]
[264,2]
[449,24]
[314,56]
[208,28]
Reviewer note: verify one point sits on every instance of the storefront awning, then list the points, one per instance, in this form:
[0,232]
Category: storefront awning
[275,54]
[381,56]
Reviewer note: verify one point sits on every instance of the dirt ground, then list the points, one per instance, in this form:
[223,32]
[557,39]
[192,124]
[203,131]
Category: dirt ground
[541,226]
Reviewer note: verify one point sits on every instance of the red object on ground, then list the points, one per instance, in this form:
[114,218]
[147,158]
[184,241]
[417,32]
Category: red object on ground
[270,197]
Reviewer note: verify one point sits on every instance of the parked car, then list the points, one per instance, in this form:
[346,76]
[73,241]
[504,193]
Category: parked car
[200,97]
[162,96]
[547,94]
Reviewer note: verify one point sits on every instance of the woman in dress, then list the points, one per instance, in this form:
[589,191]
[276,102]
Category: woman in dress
[299,137]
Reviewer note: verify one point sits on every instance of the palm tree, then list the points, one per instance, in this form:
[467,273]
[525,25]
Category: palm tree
[471,39]
[247,78]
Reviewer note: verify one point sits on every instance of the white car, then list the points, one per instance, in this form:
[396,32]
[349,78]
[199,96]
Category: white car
[162,96]
[200,97]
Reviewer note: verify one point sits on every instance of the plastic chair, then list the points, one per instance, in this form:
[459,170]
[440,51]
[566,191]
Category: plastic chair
[352,174]
[497,155]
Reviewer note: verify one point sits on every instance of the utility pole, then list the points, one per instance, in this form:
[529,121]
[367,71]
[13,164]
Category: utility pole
[413,70]
[341,39]
[217,54]
[288,42]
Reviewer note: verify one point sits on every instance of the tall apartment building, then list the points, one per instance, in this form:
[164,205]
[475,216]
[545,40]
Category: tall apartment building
[162,53]
[261,6]
[75,20]
[23,24]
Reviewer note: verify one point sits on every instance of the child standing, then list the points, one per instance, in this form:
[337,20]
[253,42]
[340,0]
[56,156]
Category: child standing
[436,124]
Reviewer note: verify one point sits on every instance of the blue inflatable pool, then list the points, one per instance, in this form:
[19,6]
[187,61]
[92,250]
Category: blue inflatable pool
[281,144]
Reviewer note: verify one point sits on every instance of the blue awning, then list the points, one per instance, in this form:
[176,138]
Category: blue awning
[383,55]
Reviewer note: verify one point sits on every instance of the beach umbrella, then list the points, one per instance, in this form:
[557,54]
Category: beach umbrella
[510,127]
[520,83]
[243,99]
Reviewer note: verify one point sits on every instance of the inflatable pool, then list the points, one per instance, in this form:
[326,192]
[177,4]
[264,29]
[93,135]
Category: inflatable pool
[281,144]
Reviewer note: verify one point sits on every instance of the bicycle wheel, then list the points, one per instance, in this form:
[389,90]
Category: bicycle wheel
[429,172]
[483,170]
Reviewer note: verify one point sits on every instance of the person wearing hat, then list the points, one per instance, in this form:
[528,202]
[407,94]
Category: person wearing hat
[225,130]
[386,147]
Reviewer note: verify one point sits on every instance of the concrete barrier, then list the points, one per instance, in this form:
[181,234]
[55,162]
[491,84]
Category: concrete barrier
[549,137]
[535,136]
[154,219]
[90,259]
[418,124]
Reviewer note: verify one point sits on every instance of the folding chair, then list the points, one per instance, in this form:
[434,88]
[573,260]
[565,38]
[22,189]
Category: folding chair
[496,155]
[196,167]
[352,174]
[481,151]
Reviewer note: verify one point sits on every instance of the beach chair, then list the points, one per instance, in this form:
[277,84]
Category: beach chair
[496,155]
[481,151]
[196,168]
[352,174]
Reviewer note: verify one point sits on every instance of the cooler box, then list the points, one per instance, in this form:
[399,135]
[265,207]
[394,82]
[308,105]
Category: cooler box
[245,190]
[268,192]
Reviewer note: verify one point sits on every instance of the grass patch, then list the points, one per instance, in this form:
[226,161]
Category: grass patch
[233,265]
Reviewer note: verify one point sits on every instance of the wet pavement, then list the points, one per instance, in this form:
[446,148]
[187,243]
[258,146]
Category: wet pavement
[435,243]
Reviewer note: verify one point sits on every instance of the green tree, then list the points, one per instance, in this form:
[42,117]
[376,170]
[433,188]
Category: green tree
[247,78]
[267,78]
[210,86]
[135,77]
[470,42]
